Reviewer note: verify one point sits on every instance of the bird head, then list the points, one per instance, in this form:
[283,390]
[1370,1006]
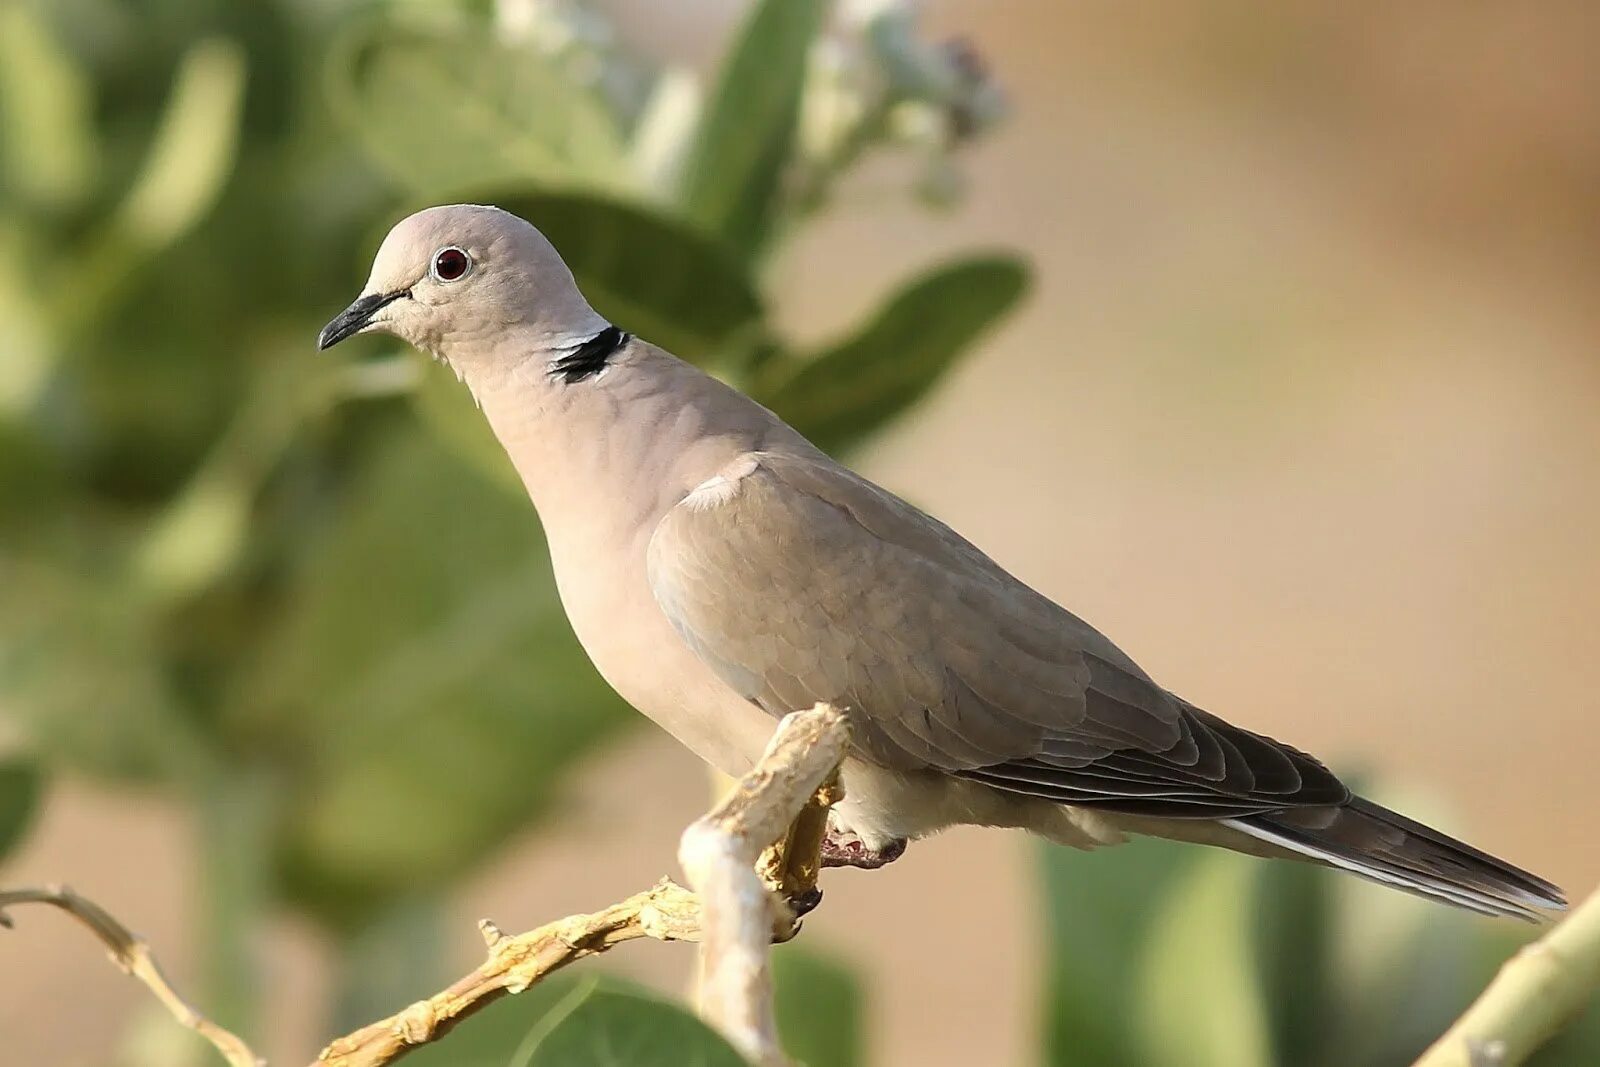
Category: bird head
[459,281]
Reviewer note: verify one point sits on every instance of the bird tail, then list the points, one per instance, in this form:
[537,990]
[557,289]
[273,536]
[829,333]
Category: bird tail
[1385,847]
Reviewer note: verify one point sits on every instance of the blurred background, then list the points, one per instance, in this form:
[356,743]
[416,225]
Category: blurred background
[1263,335]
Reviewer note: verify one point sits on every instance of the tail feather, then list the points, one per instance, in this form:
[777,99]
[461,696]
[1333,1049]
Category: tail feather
[1383,846]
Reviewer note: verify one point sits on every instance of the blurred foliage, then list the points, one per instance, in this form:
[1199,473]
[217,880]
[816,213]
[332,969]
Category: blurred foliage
[431,103]
[494,1037]
[305,595]
[819,1003]
[448,690]
[686,291]
[572,1021]
[593,1021]
[604,1024]
[732,182]
[1169,955]
[834,397]
[21,785]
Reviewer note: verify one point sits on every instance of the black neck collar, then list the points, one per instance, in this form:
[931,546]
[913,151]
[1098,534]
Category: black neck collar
[589,358]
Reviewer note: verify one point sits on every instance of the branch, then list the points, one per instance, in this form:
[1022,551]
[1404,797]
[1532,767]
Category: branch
[790,785]
[665,912]
[776,815]
[777,801]
[1537,992]
[133,955]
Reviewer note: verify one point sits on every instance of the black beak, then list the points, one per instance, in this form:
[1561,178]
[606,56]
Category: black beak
[353,318]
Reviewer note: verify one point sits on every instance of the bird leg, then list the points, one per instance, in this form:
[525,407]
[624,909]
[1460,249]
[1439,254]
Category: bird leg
[842,849]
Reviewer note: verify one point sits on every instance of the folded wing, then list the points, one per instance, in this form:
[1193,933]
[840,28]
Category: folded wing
[798,582]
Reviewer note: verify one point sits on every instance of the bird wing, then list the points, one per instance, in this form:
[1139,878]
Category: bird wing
[797,581]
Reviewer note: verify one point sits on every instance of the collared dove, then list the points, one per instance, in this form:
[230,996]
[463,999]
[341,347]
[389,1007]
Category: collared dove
[721,571]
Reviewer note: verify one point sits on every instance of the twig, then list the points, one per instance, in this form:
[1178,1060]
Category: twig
[778,812]
[740,910]
[666,912]
[803,756]
[1536,992]
[133,955]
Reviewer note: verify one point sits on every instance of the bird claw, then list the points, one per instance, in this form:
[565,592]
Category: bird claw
[805,902]
[839,850]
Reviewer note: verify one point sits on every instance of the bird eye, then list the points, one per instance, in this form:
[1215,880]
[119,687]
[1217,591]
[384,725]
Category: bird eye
[451,264]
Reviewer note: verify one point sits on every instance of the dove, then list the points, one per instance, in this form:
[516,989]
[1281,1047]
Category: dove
[721,572]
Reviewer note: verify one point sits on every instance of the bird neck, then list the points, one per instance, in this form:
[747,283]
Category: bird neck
[606,445]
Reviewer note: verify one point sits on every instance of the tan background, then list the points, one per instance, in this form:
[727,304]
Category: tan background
[1305,412]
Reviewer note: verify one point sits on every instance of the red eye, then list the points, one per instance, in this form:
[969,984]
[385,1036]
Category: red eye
[450,264]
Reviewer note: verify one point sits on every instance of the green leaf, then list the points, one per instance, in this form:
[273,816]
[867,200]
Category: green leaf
[734,175]
[1293,941]
[431,106]
[853,388]
[1199,996]
[819,1008]
[609,1025]
[649,273]
[29,345]
[1395,949]
[49,152]
[494,1036]
[204,530]
[1100,906]
[193,150]
[21,785]
[425,677]
[185,168]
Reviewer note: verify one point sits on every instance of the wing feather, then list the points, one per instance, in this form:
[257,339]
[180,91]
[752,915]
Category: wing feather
[804,582]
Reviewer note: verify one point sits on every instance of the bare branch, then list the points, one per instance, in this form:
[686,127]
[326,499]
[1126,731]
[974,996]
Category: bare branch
[1537,992]
[785,799]
[719,853]
[666,912]
[133,955]
[777,814]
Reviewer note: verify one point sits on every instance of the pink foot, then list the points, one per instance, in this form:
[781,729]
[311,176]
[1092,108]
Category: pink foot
[839,850]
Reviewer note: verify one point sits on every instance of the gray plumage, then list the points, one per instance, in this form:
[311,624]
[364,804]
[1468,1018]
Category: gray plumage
[721,571]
